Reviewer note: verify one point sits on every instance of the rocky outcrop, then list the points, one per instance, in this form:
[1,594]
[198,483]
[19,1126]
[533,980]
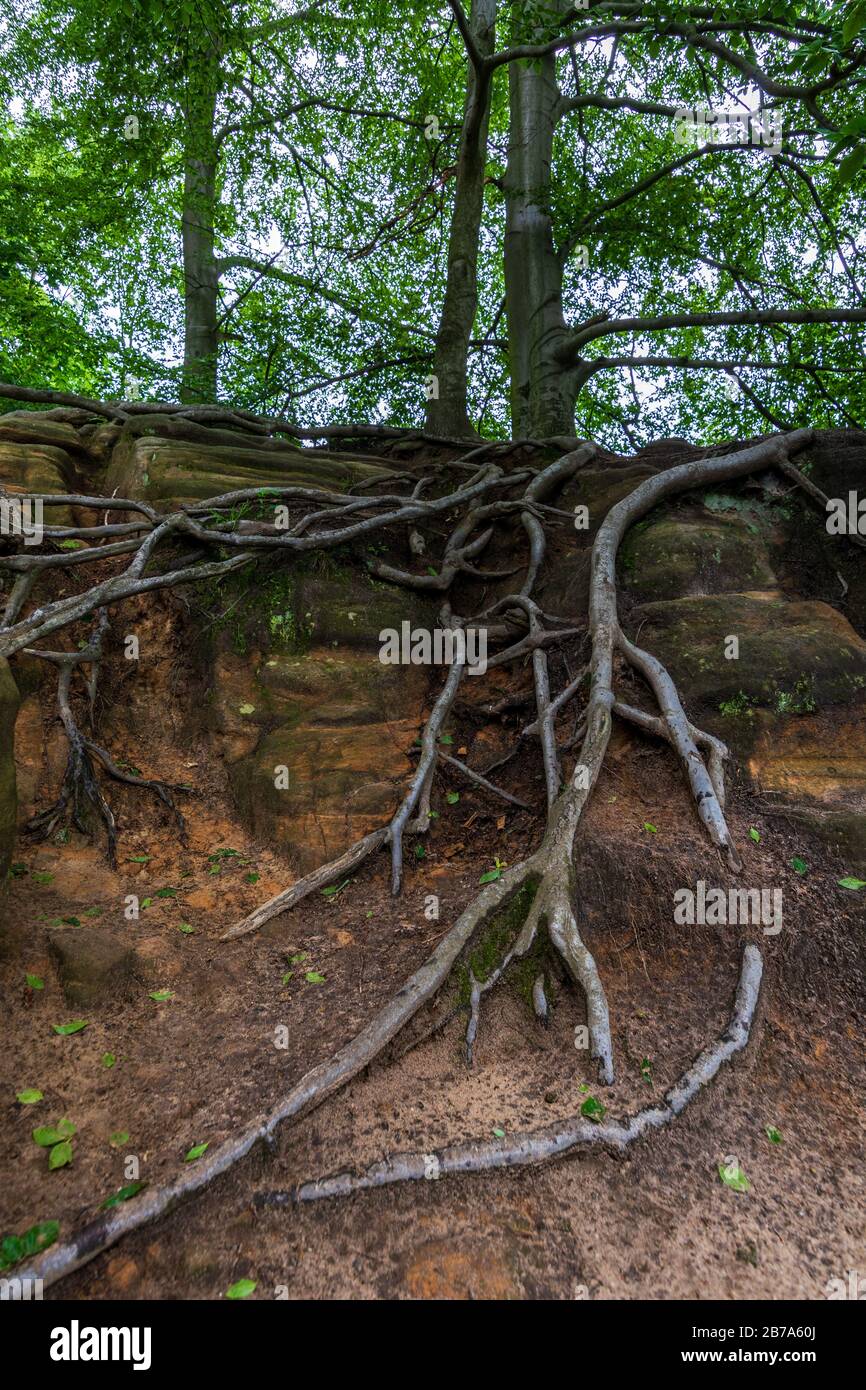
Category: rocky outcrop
[167,472]
[314,730]
[790,697]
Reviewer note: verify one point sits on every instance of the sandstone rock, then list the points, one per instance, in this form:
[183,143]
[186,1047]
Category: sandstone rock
[168,472]
[794,658]
[297,683]
[599,489]
[819,765]
[34,427]
[673,558]
[94,965]
[37,468]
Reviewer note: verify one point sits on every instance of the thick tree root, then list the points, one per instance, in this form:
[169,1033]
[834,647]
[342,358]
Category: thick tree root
[307,1093]
[548,870]
[553,1140]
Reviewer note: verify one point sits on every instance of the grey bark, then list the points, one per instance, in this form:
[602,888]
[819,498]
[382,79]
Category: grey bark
[447,414]
[200,273]
[542,387]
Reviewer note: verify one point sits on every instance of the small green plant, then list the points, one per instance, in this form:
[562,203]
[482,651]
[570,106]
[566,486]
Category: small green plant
[496,872]
[739,705]
[58,1140]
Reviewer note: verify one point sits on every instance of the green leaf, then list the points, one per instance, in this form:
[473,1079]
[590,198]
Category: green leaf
[29,1097]
[799,866]
[122,1195]
[196,1152]
[852,883]
[447,739]
[288,974]
[754,835]
[48,1135]
[299,958]
[139,859]
[420,851]
[42,879]
[852,163]
[165,893]
[251,878]
[242,1289]
[774,1135]
[653,829]
[246,709]
[186,928]
[854,22]
[35,981]
[499,1133]
[60,1155]
[65,1029]
[314,978]
[452,798]
[334,888]
[108,1059]
[733,1176]
[491,876]
[593,1110]
[38,1238]
[160,995]
[119,1138]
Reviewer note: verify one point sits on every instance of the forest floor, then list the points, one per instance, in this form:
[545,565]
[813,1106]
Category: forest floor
[197,1066]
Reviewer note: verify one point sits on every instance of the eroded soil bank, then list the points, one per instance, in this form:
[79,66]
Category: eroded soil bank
[291,674]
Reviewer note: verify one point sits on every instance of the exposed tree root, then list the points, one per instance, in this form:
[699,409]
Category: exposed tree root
[553,1140]
[80,791]
[548,870]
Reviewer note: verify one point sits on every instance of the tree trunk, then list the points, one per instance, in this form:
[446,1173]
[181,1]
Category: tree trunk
[200,278]
[447,412]
[542,392]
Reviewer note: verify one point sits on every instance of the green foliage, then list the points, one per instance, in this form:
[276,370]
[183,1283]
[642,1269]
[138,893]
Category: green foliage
[329,199]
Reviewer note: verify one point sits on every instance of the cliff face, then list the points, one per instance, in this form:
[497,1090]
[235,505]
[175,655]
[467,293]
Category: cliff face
[286,662]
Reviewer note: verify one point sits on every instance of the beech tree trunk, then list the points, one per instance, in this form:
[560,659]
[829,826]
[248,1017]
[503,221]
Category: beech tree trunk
[447,414]
[542,391]
[200,275]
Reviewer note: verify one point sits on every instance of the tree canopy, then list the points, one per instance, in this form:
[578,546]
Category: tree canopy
[512,218]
